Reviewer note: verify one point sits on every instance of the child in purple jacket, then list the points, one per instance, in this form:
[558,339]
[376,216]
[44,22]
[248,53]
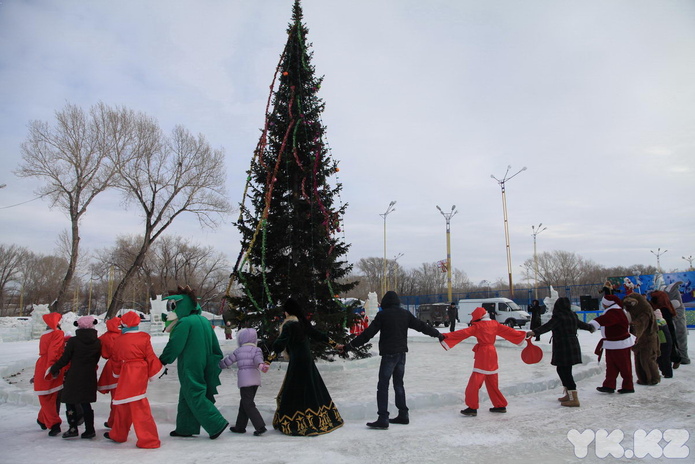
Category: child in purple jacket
[249,359]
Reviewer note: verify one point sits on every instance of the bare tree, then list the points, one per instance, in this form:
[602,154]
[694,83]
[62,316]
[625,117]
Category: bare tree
[430,278]
[41,277]
[11,260]
[167,177]
[371,272]
[71,156]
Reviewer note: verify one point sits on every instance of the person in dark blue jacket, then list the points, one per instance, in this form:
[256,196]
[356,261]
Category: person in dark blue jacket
[393,322]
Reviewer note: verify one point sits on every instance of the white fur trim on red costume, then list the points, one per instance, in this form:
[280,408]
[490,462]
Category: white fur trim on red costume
[484,372]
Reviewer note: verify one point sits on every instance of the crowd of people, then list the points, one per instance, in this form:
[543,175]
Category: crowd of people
[66,371]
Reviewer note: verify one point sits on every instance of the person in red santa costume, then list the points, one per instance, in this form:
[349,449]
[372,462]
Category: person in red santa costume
[51,346]
[485,366]
[134,364]
[107,382]
[617,341]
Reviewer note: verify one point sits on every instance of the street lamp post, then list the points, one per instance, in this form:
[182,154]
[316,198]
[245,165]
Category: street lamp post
[502,183]
[658,257]
[534,232]
[395,271]
[384,277]
[447,217]
[689,259]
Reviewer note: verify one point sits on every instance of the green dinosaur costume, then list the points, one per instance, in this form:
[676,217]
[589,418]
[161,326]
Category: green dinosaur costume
[194,343]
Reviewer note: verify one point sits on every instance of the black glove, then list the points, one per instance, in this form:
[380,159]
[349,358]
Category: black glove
[441,337]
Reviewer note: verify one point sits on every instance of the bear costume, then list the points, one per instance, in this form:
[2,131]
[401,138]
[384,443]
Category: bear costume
[646,347]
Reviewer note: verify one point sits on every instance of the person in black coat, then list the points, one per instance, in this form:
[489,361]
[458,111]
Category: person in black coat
[566,350]
[393,322]
[82,352]
[453,313]
[536,311]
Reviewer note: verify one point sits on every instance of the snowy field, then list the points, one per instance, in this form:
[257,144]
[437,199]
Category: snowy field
[655,424]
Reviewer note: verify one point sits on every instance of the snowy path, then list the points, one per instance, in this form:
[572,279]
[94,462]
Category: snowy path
[534,430]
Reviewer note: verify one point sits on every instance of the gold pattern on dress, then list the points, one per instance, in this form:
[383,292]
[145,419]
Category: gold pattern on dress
[303,422]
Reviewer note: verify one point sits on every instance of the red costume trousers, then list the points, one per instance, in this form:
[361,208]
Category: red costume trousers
[48,414]
[111,414]
[618,362]
[491,384]
[139,415]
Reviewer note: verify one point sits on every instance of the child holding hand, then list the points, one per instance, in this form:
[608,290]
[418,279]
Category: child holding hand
[249,359]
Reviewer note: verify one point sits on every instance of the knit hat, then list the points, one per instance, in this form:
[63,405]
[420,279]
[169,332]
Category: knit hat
[390,299]
[478,313]
[610,300]
[86,322]
[130,319]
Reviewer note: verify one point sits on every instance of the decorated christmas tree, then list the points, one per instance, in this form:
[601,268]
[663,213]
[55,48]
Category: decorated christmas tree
[291,215]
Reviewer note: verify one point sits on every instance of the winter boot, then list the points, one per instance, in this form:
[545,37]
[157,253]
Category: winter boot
[55,430]
[88,416]
[215,435]
[402,418]
[72,432]
[565,396]
[41,424]
[381,423]
[573,401]
[469,412]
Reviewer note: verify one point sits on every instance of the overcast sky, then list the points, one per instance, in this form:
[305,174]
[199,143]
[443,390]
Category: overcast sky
[425,100]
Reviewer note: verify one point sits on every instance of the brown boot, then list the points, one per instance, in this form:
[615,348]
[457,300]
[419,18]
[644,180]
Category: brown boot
[573,401]
[565,396]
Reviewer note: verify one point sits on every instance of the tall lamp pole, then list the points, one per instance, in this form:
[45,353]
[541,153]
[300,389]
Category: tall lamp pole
[447,217]
[689,259]
[502,183]
[395,271]
[658,256]
[534,232]
[384,277]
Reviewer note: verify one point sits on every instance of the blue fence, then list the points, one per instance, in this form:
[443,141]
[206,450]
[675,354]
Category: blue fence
[582,296]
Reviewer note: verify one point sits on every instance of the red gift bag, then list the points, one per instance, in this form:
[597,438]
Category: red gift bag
[532,354]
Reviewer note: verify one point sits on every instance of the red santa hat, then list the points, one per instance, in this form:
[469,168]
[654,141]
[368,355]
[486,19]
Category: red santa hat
[478,313]
[130,319]
[114,324]
[52,320]
[86,322]
[611,300]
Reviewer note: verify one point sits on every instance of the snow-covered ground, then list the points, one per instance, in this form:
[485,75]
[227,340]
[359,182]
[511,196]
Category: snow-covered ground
[655,424]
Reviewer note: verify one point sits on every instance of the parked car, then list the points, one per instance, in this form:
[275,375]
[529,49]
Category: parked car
[433,313]
[503,310]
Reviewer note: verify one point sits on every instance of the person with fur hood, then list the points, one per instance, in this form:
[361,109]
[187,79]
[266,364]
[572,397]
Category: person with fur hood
[249,358]
[51,347]
[680,324]
[485,364]
[646,348]
[107,382]
[134,365]
[667,360]
[617,341]
[82,352]
[566,349]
